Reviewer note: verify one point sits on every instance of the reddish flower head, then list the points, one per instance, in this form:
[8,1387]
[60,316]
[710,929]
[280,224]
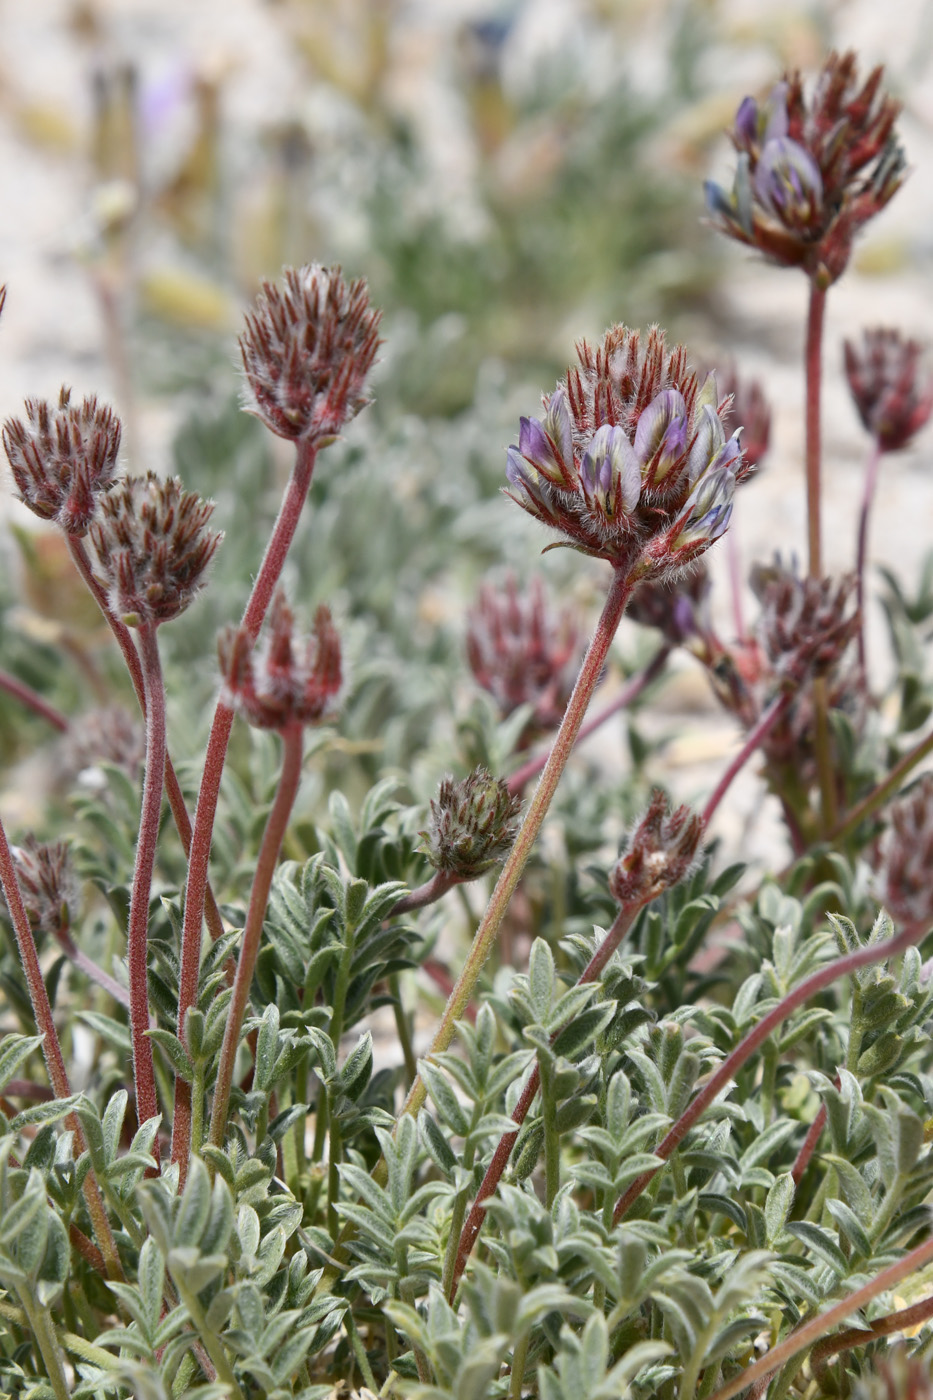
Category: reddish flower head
[661,852]
[307,349]
[153,546]
[63,458]
[892,389]
[812,170]
[283,680]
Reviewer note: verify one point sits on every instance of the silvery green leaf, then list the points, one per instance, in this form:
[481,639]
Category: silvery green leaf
[14,1051]
[194,1207]
[777,1205]
[175,1052]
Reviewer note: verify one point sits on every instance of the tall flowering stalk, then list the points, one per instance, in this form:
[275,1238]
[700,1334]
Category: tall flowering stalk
[153,547]
[631,464]
[307,350]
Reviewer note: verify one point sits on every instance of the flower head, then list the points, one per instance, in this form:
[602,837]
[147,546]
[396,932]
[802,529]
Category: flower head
[678,607]
[749,411]
[473,824]
[805,623]
[50,889]
[307,349]
[811,171]
[283,680]
[907,853]
[107,735]
[523,651]
[153,547]
[891,389]
[630,461]
[661,850]
[64,458]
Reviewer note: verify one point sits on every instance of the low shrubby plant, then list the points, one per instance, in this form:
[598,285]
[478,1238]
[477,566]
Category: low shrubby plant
[669,1133]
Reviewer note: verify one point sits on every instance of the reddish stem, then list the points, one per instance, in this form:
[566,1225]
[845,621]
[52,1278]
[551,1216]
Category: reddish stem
[868,496]
[720,1079]
[51,1045]
[283,533]
[89,967]
[259,897]
[137,940]
[626,696]
[124,640]
[765,722]
[814,374]
[812,1331]
[814,1133]
[474,1221]
[899,1321]
[429,893]
[33,700]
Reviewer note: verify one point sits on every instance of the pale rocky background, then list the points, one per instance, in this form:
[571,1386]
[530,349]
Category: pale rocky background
[53,255]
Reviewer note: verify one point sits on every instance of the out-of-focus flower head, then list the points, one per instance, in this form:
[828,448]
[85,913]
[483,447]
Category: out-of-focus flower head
[50,889]
[678,607]
[749,411]
[153,546]
[811,171]
[891,387]
[661,850]
[630,462]
[283,680]
[307,349]
[107,735]
[907,856]
[806,624]
[523,650]
[63,458]
[473,824]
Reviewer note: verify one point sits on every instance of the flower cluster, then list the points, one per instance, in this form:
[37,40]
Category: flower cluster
[153,547]
[473,824]
[805,627]
[307,349]
[630,462]
[660,852]
[749,410]
[47,882]
[892,391]
[63,458]
[523,651]
[907,856]
[811,171]
[282,681]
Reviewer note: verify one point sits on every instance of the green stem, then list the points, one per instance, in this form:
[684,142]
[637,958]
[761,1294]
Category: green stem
[551,1135]
[212,1343]
[266,862]
[402,1027]
[137,937]
[359,1351]
[861,554]
[47,1342]
[879,795]
[519,1360]
[590,672]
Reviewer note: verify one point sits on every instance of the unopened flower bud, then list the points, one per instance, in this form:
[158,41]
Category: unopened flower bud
[307,349]
[48,884]
[661,851]
[153,546]
[892,390]
[63,459]
[473,824]
[283,680]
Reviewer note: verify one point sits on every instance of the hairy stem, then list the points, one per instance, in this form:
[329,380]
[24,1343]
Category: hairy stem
[879,795]
[868,496]
[270,570]
[619,928]
[124,640]
[51,1046]
[747,1046]
[137,940]
[762,727]
[590,672]
[626,696]
[266,862]
[812,1331]
[33,701]
[813,369]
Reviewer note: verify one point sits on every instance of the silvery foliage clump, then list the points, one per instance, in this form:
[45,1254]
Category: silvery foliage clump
[561,1209]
